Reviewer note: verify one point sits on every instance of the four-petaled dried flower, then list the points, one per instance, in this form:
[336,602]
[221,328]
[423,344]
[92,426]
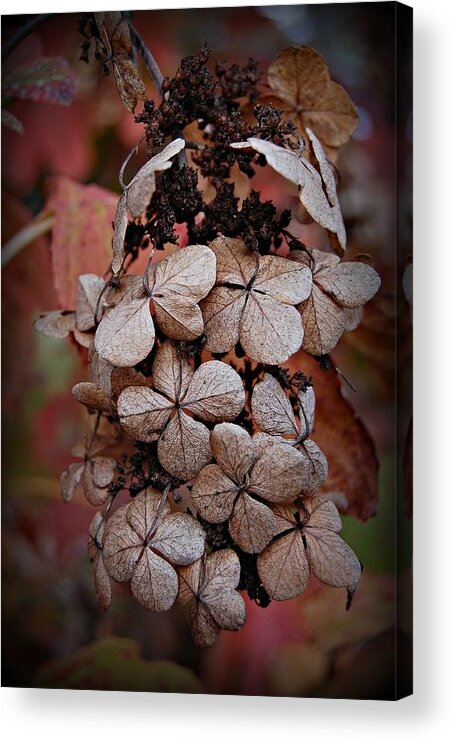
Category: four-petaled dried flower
[250,474]
[143,543]
[253,302]
[212,393]
[307,541]
[273,413]
[176,284]
[96,470]
[336,288]
[209,587]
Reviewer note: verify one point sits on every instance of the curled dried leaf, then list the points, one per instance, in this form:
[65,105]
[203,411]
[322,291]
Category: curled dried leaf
[114,31]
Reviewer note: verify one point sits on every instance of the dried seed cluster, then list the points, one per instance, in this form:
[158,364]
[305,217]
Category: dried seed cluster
[193,417]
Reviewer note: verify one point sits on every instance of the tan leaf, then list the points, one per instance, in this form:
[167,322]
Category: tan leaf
[91,396]
[114,31]
[103,470]
[270,332]
[235,264]
[233,450]
[120,227]
[178,283]
[279,472]
[252,524]
[143,412]
[204,629]
[126,335]
[316,466]
[213,494]
[90,287]
[323,322]
[102,580]
[325,515]
[95,495]
[215,392]
[145,510]
[172,371]
[55,324]
[283,567]
[277,278]
[300,77]
[184,447]
[351,284]
[271,408]
[85,339]
[122,546]
[306,403]
[99,371]
[179,538]
[222,310]
[331,560]
[154,582]
[330,188]
[70,480]
[122,378]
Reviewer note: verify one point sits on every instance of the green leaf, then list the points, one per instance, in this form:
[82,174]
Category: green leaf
[115,663]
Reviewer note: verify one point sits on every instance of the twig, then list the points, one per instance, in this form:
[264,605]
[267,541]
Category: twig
[27,234]
[23,32]
[150,62]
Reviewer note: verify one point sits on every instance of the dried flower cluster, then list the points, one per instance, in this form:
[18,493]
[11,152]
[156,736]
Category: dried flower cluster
[223,479]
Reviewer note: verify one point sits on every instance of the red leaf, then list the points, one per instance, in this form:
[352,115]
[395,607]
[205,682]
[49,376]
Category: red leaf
[48,80]
[345,441]
[81,236]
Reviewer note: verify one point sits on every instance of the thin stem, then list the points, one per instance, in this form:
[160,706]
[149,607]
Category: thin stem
[27,234]
[23,32]
[150,62]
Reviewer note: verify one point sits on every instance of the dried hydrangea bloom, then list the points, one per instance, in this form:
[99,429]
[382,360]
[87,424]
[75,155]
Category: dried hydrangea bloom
[273,414]
[249,475]
[175,286]
[253,302]
[301,80]
[307,541]
[209,587]
[213,392]
[337,288]
[317,187]
[95,554]
[143,542]
[96,471]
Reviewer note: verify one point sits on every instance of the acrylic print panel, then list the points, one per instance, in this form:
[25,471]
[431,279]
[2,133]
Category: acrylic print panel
[204,487]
